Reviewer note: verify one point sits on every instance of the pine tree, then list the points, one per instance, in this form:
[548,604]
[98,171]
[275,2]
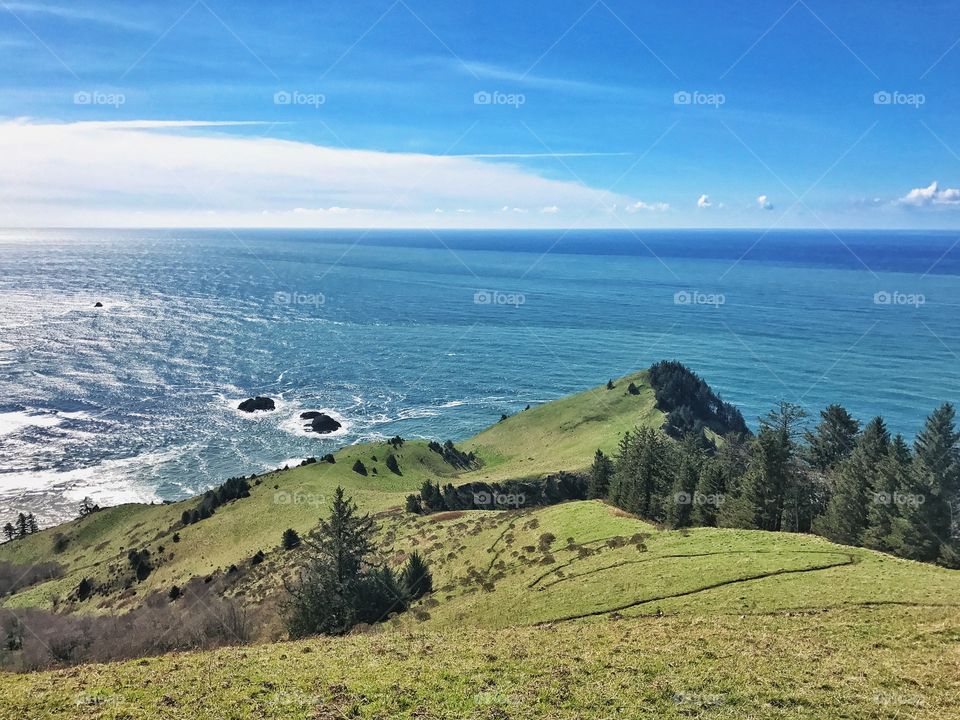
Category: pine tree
[9,532]
[892,481]
[340,586]
[769,473]
[641,476]
[924,530]
[856,481]
[598,482]
[834,438]
[711,493]
[679,504]
[416,579]
[32,524]
[290,539]
[23,526]
[346,539]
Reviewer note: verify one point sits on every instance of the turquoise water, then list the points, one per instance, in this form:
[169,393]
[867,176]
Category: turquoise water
[428,334]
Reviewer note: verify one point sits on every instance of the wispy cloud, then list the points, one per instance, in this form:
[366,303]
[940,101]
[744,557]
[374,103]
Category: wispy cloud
[74,14]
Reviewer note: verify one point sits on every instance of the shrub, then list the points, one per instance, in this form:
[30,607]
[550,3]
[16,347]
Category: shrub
[393,465]
[290,539]
[360,468]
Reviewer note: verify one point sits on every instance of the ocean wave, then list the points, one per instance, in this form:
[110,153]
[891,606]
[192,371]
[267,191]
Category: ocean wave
[12,422]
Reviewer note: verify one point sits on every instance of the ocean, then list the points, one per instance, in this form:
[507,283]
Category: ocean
[429,334]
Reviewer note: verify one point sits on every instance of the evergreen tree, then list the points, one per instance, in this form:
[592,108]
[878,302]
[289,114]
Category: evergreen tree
[856,481]
[641,475]
[892,482]
[924,530]
[598,482]
[711,491]
[679,504]
[23,526]
[290,539]
[341,586]
[32,524]
[416,578]
[345,541]
[9,532]
[834,438]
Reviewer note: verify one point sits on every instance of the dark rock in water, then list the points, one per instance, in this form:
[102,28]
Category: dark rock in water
[257,403]
[310,414]
[98,304]
[324,424]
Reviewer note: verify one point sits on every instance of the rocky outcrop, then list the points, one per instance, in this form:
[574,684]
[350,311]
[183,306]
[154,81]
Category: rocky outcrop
[323,424]
[257,403]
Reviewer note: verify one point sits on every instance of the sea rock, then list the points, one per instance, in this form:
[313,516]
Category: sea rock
[98,304]
[323,424]
[257,403]
[310,414]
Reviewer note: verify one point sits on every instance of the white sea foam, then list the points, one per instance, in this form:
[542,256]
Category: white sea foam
[294,424]
[11,422]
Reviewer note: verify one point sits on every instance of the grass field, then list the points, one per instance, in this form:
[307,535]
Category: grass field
[576,610]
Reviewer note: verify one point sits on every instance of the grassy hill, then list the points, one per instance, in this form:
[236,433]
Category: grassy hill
[562,435]
[569,611]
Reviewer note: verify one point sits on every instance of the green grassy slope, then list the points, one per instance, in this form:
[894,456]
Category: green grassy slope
[565,433]
[561,435]
[570,611]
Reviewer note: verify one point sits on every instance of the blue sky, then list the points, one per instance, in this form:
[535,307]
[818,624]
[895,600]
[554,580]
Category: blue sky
[494,114]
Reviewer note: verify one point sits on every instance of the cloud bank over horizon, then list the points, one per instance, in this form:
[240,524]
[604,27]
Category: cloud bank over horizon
[193,173]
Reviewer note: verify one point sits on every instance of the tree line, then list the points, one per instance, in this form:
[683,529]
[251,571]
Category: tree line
[508,495]
[853,485]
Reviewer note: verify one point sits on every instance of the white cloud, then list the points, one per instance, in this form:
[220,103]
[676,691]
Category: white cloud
[550,210]
[764,202]
[931,195]
[652,207]
[704,201]
[150,173]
